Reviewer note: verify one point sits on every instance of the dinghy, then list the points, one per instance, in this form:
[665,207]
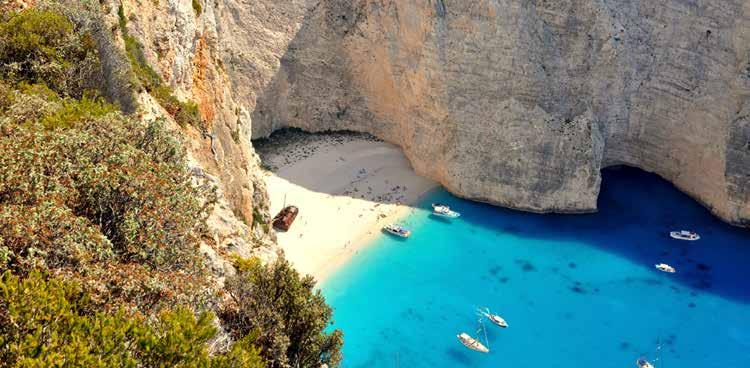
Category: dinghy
[397,230]
[494,318]
[665,268]
[685,235]
[440,209]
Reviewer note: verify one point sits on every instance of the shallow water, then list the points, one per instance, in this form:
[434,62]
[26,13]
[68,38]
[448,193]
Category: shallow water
[576,290]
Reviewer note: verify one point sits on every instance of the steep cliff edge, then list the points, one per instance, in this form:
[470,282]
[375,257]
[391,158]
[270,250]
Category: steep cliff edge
[184,41]
[522,103]
[519,104]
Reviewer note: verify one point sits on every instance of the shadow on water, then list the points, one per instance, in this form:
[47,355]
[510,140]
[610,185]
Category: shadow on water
[636,212]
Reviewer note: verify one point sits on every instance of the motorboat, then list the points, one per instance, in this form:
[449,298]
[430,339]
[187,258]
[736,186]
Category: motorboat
[444,210]
[397,230]
[685,235]
[472,343]
[643,363]
[665,268]
[494,318]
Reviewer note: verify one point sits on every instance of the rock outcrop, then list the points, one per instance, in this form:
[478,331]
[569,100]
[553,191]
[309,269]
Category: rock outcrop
[183,43]
[516,103]
[522,103]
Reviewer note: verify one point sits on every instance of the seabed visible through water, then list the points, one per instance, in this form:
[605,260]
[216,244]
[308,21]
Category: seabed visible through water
[576,290]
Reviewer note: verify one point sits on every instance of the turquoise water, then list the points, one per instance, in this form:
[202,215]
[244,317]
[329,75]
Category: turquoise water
[577,290]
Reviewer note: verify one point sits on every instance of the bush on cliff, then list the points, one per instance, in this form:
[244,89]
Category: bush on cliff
[288,314]
[41,46]
[106,203]
[85,191]
[122,184]
[50,323]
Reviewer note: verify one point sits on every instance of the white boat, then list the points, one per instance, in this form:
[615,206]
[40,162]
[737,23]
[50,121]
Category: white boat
[643,363]
[472,343]
[494,318]
[685,235]
[665,268]
[443,210]
[397,230]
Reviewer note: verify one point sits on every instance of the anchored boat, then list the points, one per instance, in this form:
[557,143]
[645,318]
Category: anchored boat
[472,343]
[397,230]
[494,318]
[643,363]
[444,210]
[665,268]
[685,235]
[475,344]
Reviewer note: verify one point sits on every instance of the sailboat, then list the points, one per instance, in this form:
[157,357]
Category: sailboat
[473,343]
[643,363]
[494,318]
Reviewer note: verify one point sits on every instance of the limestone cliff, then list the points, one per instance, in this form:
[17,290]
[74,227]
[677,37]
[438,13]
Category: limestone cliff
[517,103]
[522,103]
[181,40]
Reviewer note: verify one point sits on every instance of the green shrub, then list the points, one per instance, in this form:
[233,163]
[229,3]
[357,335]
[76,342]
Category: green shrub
[289,315]
[184,113]
[77,111]
[197,7]
[50,323]
[40,46]
[6,96]
[113,186]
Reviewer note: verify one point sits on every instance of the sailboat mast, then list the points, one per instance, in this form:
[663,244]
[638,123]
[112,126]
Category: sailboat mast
[486,340]
[658,352]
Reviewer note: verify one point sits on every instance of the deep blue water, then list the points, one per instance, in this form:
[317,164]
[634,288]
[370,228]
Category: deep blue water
[577,290]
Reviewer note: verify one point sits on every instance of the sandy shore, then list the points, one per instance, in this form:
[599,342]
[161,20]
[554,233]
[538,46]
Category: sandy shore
[347,186]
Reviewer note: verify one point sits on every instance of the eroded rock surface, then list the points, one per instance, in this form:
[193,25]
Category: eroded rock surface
[516,103]
[521,103]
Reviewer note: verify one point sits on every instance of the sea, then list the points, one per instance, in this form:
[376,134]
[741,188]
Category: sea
[576,290]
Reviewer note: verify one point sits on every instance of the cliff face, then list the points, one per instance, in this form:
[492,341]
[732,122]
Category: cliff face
[216,54]
[522,103]
[516,103]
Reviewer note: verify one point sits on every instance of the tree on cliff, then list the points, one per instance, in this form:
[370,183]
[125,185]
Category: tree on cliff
[49,323]
[290,316]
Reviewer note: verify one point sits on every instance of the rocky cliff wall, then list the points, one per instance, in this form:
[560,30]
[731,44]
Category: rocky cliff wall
[516,103]
[217,54]
[522,103]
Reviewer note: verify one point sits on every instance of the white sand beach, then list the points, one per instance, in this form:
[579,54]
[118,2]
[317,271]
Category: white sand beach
[346,186]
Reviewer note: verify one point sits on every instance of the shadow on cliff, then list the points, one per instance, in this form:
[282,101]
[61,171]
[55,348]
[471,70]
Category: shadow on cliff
[636,212]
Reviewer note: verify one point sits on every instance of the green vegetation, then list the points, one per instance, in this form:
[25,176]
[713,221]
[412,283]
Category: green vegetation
[48,323]
[197,7]
[106,203]
[184,113]
[38,46]
[122,184]
[290,316]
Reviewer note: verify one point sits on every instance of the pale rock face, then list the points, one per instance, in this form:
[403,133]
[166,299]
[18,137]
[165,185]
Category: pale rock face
[516,103]
[522,103]
[185,48]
